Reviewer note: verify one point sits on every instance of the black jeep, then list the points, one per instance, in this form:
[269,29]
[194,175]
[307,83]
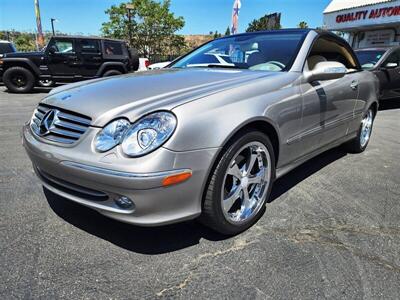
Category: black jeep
[67,59]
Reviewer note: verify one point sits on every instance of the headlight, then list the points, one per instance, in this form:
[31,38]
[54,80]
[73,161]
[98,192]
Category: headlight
[148,133]
[111,135]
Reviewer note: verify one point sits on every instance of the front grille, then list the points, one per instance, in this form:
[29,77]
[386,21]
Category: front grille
[64,127]
[71,188]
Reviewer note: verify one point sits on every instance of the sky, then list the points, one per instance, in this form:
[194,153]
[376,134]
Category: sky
[201,16]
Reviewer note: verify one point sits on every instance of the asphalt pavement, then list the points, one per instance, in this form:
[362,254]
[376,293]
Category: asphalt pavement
[331,230]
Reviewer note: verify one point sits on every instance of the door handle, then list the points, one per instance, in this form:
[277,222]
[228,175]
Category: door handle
[354,85]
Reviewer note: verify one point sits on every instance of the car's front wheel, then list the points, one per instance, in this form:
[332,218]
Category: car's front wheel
[18,80]
[240,184]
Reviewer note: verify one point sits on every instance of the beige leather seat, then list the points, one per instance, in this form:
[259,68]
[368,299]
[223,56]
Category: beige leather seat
[312,61]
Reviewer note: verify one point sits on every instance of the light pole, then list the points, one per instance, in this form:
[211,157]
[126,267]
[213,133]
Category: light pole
[129,8]
[52,25]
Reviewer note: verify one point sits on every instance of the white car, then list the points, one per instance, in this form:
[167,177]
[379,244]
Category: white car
[144,63]
[213,59]
[159,65]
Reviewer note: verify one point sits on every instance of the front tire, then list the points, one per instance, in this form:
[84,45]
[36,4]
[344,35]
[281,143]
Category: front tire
[240,184]
[360,142]
[18,80]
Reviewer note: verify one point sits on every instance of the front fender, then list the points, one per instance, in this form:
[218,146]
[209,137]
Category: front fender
[21,61]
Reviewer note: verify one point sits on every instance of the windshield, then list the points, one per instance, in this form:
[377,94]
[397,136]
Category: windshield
[369,58]
[7,48]
[259,52]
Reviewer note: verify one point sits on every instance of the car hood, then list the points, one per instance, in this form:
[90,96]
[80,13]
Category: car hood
[134,95]
[23,54]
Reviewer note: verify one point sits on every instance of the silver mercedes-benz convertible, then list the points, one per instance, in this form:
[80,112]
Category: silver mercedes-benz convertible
[206,137]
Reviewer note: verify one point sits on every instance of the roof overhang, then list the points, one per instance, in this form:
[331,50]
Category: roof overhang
[348,15]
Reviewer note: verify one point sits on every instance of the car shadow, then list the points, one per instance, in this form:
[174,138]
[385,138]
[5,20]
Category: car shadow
[36,90]
[305,170]
[163,239]
[389,104]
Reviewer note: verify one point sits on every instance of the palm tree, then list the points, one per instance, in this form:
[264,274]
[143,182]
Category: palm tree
[303,25]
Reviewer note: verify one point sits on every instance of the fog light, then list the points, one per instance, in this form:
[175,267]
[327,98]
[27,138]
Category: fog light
[124,202]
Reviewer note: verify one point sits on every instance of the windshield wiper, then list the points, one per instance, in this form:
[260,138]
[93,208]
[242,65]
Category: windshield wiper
[222,66]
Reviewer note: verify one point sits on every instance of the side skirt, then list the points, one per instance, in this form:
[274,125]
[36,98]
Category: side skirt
[289,167]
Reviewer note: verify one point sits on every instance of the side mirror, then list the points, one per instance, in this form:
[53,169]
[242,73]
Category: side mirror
[326,70]
[391,65]
[52,49]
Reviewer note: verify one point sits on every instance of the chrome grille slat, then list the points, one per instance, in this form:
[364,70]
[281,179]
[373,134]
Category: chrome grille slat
[75,127]
[39,115]
[42,109]
[76,119]
[37,121]
[66,128]
[65,133]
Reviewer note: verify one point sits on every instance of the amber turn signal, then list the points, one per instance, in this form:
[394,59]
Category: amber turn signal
[177,178]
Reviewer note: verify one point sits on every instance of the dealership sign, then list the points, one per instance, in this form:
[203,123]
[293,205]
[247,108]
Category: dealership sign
[384,13]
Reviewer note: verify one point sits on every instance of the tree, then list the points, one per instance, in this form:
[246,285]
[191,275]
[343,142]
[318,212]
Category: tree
[217,34]
[267,22]
[228,31]
[303,25]
[149,26]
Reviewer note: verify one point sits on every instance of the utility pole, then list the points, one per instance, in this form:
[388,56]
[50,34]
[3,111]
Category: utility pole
[52,25]
[129,8]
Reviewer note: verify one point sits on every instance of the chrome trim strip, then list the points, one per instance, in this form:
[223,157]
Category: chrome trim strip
[316,130]
[110,172]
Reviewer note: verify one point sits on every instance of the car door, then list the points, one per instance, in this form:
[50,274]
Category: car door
[340,99]
[328,105]
[90,56]
[64,61]
[390,70]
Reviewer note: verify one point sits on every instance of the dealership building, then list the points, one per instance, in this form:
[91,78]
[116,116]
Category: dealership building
[367,23]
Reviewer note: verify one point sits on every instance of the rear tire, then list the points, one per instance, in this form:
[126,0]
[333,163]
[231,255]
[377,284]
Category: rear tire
[360,142]
[227,208]
[18,80]
[111,73]
[134,59]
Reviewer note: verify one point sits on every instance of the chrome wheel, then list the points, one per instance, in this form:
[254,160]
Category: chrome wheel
[366,128]
[246,183]
[46,82]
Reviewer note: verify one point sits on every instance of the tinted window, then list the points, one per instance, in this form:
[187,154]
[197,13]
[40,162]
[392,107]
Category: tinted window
[369,58]
[89,46]
[113,48]
[272,51]
[63,46]
[6,48]
[394,58]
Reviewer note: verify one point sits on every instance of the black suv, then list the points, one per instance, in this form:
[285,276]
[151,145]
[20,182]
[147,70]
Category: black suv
[67,59]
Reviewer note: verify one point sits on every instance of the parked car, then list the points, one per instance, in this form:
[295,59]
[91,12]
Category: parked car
[6,47]
[67,59]
[203,142]
[385,64]
[159,65]
[217,58]
[144,63]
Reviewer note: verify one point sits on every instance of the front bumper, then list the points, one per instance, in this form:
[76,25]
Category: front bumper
[96,180]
